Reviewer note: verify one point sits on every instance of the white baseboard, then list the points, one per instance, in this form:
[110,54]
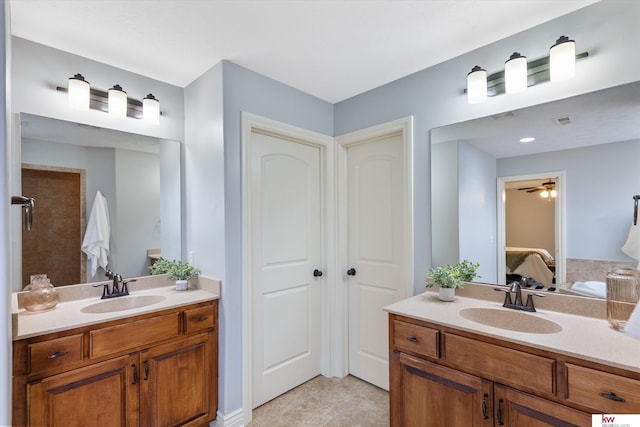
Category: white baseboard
[233,419]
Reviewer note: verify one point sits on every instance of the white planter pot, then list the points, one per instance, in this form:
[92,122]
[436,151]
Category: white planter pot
[182,285]
[447,294]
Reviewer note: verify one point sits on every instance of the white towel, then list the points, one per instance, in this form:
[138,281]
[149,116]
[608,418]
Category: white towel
[96,237]
[632,245]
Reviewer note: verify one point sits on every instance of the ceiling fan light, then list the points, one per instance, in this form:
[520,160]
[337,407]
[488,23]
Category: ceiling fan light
[151,109]
[476,85]
[117,102]
[78,92]
[554,193]
[562,59]
[515,73]
[544,194]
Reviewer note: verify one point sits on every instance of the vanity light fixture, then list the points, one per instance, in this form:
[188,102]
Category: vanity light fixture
[515,73]
[477,85]
[79,92]
[151,109]
[562,59]
[97,99]
[117,102]
[519,73]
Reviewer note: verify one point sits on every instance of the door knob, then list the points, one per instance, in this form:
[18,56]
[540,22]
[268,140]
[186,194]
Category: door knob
[317,273]
[351,272]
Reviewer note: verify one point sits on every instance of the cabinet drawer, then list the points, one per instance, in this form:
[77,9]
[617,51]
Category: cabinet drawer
[133,335]
[54,353]
[601,391]
[505,365]
[415,338]
[198,319]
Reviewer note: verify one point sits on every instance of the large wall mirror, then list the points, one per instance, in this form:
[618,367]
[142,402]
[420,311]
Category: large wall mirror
[63,166]
[586,149]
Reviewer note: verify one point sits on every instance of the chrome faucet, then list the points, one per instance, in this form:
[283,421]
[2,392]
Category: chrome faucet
[516,288]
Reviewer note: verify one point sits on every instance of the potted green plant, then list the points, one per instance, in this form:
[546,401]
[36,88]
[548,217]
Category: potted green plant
[180,271]
[449,277]
[467,270]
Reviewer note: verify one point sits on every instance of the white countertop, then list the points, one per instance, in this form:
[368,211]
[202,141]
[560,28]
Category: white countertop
[587,338]
[67,314]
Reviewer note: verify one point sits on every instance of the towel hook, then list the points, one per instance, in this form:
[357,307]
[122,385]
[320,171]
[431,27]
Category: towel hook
[635,209]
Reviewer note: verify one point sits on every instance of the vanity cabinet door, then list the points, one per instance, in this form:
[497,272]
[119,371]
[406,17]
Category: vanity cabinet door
[517,409]
[104,394]
[431,395]
[177,381]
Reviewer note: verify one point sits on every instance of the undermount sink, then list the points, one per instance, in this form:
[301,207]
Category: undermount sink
[123,303]
[511,320]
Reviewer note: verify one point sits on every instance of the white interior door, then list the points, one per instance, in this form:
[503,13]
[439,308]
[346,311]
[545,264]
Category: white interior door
[287,241]
[378,194]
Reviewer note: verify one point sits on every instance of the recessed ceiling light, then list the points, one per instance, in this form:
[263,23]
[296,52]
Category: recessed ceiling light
[527,140]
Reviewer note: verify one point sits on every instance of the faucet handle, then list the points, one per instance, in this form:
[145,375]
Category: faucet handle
[125,290]
[529,305]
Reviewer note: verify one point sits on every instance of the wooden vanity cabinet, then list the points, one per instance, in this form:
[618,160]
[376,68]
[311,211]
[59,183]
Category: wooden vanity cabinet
[158,369]
[440,376]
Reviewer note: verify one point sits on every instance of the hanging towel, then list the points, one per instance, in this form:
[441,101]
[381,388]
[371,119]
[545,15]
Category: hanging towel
[96,237]
[632,245]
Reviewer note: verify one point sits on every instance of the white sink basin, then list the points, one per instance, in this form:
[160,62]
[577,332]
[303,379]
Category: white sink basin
[511,320]
[123,303]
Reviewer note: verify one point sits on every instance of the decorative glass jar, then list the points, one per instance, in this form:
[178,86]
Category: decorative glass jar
[622,294]
[42,295]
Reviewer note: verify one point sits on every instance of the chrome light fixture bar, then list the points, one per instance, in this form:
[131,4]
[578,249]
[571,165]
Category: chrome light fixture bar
[519,74]
[99,100]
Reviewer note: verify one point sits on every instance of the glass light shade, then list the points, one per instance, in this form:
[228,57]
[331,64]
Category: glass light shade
[78,92]
[562,59]
[117,102]
[544,194]
[151,109]
[515,73]
[476,85]
[554,193]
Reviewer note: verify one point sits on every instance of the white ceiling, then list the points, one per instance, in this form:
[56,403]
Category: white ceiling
[601,117]
[332,49]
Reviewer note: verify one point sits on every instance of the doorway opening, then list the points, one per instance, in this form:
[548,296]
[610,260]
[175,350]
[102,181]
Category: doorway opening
[531,229]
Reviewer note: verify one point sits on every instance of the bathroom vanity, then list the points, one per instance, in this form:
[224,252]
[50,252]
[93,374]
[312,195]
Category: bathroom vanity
[474,363]
[153,363]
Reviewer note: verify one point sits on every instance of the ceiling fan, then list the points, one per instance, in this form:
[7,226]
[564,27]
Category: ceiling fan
[547,185]
[547,189]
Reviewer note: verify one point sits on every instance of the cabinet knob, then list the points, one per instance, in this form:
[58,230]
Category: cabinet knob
[412,339]
[351,272]
[317,273]
[202,318]
[484,406]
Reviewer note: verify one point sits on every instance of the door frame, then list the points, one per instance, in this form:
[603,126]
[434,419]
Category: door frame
[560,223]
[254,123]
[404,126]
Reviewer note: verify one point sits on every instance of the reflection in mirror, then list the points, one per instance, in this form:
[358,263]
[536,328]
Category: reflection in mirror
[592,139]
[64,166]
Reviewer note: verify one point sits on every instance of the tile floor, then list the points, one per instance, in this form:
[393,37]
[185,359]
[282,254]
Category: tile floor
[334,402]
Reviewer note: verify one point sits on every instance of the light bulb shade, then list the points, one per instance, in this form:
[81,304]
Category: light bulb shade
[476,85]
[117,101]
[151,109]
[544,194]
[554,193]
[78,92]
[562,59]
[515,73]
